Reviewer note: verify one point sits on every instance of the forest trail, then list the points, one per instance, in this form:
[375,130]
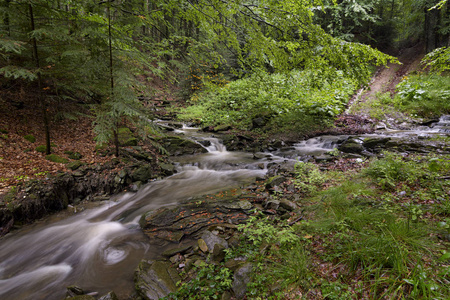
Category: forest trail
[386,78]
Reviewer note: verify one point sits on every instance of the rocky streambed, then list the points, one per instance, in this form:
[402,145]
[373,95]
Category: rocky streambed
[141,244]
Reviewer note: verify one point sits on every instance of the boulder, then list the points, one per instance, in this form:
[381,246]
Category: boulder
[211,240]
[241,279]
[259,122]
[126,137]
[143,173]
[373,143]
[218,253]
[179,146]
[167,169]
[173,251]
[109,296]
[190,219]
[74,165]
[288,205]
[222,128]
[274,181]
[155,279]
[351,146]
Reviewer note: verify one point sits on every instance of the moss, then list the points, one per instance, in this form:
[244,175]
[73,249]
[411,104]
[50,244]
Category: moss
[30,138]
[126,137]
[74,165]
[41,148]
[11,195]
[57,159]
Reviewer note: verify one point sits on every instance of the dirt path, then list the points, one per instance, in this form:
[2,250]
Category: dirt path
[387,78]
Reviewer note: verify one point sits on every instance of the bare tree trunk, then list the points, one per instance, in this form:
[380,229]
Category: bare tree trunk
[111,77]
[40,96]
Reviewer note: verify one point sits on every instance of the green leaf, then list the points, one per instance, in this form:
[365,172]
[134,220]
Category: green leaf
[446,256]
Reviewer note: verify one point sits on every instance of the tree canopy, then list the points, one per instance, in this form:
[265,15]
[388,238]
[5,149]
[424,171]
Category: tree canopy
[94,52]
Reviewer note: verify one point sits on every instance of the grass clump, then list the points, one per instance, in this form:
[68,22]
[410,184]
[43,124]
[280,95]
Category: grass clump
[391,170]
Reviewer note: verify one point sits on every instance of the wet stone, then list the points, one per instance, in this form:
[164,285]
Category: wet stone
[181,250]
[109,296]
[211,240]
[241,279]
[202,245]
[155,279]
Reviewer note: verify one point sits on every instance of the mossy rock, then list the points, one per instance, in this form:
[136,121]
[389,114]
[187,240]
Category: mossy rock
[274,181]
[30,138]
[76,156]
[222,128]
[126,137]
[41,148]
[74,165]
[101,146]
[57,159]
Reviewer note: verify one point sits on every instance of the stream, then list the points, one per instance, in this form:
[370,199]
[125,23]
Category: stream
[99,248]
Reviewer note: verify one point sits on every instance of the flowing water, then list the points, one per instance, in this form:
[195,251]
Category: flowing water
[98,249]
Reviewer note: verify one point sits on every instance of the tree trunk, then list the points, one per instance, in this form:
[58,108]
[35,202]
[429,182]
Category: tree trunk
[6,19]
[111,77]
[40,96]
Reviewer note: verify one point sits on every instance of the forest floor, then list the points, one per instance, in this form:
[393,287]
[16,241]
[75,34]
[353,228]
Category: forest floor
[21,116]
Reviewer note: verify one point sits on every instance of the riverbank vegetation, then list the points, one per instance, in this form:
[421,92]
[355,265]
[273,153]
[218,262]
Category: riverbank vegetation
[379,229]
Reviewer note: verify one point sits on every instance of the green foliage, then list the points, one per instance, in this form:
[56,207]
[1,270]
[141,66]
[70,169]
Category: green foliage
[259,231]
[336,290]
[380,107]
[282,99]
[309,178]
[438,60]
[259,37]
[293,267]
[424,95]
[345,18]
[209,283]
[10,197]
[390,244]
[391,170]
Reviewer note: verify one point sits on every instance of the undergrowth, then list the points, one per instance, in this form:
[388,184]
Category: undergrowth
[374,234]
[298,100]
